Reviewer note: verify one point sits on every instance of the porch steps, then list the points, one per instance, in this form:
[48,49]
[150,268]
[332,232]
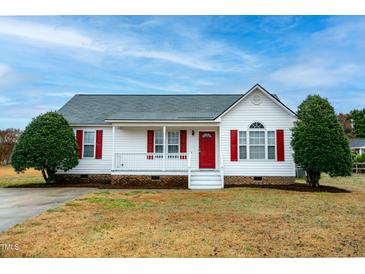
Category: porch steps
[205,180]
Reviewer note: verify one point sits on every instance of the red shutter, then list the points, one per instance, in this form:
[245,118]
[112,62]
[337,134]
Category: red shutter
[79,139]
[150,143]
[280,144]
[234,150]
[183,143]
[99,144]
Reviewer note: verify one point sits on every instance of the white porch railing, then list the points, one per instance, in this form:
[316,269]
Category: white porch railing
[221,170]
[140,161]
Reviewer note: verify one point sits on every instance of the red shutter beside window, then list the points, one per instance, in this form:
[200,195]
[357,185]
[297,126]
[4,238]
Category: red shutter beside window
[150,143]
[280,144]
[183,143]
[234,150]
[79,139]
[99,144]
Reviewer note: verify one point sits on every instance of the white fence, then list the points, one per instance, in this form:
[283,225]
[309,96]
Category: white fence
[358,168]
[151,161]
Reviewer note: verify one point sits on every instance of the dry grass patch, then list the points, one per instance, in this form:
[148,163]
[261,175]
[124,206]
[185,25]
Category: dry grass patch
[8,177]
[236,222]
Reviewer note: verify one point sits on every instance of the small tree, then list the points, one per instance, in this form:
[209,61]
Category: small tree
[8,138]
[47,144]
[319,141]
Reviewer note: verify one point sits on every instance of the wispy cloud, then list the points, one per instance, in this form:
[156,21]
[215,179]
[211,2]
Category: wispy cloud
[6,101]
[4,69]
[47,34]
[124,46]
[314,75]
[60,94]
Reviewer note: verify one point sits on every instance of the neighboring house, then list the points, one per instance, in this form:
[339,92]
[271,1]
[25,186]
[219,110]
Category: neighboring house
[197,141]
[357,145]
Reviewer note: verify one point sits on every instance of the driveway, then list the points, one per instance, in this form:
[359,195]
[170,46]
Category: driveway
[19,204]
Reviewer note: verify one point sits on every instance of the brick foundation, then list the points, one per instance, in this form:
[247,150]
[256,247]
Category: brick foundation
[144,181]
[266,180]
[83,180]
[164,181]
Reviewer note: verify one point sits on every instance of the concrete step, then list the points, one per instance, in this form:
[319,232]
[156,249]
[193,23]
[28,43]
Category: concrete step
[205,178]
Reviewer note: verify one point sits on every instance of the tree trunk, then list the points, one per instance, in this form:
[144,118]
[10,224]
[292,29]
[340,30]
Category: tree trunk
[313,178]
[49,175]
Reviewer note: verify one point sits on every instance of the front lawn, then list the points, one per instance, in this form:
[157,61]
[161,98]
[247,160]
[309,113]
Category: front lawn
[9,178]
[234,222]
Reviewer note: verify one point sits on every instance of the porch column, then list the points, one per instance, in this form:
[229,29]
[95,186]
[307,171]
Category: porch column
[164,149]
[113,148]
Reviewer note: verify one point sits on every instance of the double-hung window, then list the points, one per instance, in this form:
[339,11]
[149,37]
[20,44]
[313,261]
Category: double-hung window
[173,142]
[271,145]
[257,141]
[159,141]
[257,144]
[242,143]
[89,144]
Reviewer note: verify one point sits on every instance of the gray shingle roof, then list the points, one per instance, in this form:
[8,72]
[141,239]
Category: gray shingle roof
[357,142]
[95,109]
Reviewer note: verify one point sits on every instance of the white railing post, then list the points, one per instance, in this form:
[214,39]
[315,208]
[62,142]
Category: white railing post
[189,168]
[221,170]
[113,149]
[164,149]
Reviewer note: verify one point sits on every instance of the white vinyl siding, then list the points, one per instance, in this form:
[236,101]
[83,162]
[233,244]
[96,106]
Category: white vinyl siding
[92,165]
[273,117]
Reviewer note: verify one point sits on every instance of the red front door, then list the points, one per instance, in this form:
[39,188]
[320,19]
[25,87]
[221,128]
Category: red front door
[207,149]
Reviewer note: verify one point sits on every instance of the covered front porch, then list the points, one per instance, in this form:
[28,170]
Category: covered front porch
[165,148]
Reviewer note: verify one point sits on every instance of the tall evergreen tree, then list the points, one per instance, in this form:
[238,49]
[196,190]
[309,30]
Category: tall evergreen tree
[47,144]
[319,142]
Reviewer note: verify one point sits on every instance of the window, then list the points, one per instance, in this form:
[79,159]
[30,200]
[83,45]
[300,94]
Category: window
[173,142]
[89,144]
[256,125]
[242,143]
[159,142]
[271,145]
[257,144]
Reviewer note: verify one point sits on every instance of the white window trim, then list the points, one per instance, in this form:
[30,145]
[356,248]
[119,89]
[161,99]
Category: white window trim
[154,142]
[178,142]
[239,155]
[266,145]
[249,145]
[275,145]
[83,143]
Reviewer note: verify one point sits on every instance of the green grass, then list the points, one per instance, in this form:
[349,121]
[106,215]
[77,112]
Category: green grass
[9,178]
[109,203]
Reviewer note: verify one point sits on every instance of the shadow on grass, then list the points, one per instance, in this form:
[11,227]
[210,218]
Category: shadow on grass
[296,187]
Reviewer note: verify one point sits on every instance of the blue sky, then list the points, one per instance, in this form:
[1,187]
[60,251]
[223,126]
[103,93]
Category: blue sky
[45,60]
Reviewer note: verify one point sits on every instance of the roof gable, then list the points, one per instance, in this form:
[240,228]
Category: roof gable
[274,97]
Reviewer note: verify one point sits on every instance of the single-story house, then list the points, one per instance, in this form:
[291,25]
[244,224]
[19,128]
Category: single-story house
[195,141]
[357,145]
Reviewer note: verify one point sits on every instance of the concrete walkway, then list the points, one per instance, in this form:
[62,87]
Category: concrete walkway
[19,204]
